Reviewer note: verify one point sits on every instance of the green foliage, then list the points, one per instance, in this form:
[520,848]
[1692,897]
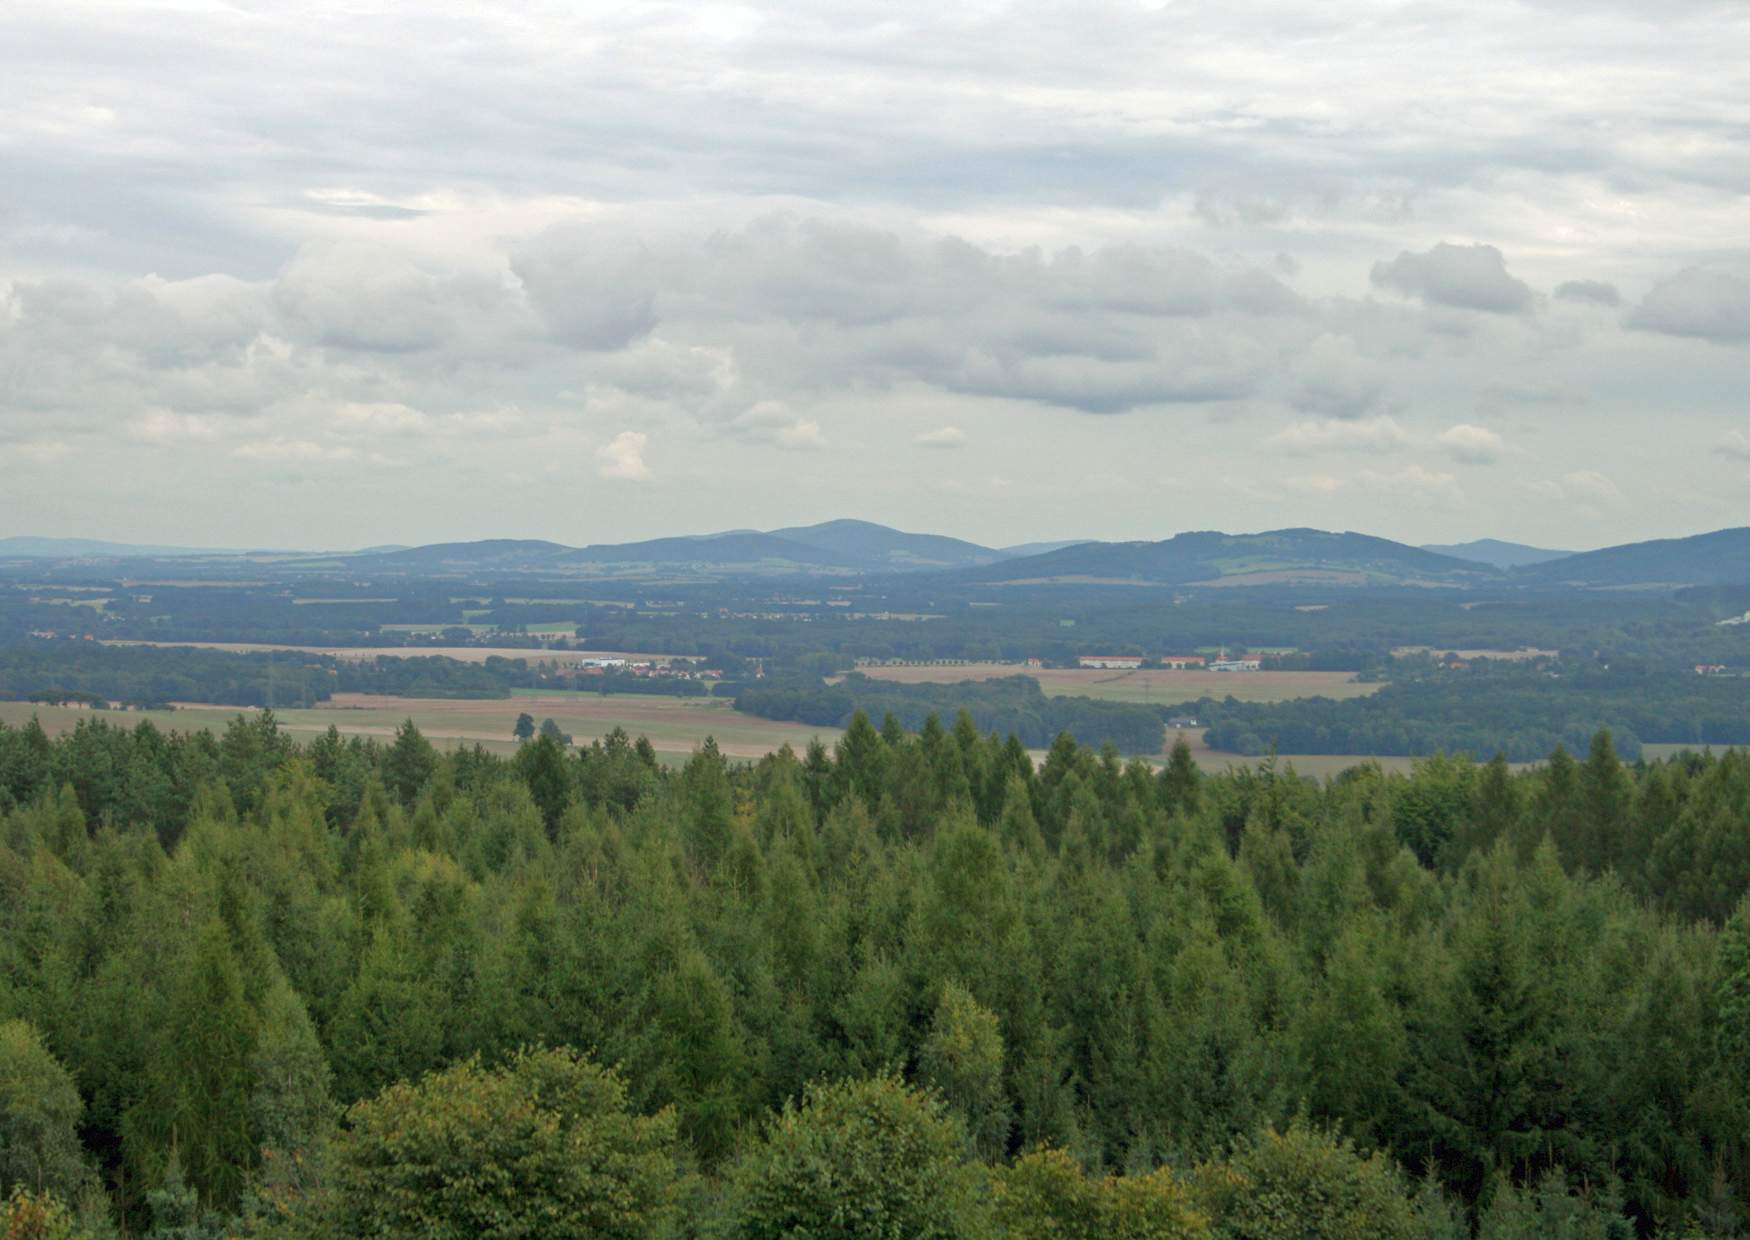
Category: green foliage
[1551,1210]
[864,1158]
[39,1117]
[1046,1193]
[1303,1184]
[544,1147]
[962,1058]
[1453,966]
[38,1215]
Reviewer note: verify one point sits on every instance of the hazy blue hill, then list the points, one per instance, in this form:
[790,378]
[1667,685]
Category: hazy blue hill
[1719,558]
[1266,558]
[1499,554]
[76,548]
[503,553]
[1041,548]
[866,544]
[738,547]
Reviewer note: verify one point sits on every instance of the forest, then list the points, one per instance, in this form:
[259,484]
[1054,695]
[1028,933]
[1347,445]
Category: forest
[916,985]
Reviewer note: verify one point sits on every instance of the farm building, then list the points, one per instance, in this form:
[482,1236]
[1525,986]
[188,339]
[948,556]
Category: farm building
[1129,661]
[1237,665]
[1182,662]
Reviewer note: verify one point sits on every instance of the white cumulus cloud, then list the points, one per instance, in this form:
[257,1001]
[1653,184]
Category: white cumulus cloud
[622,457]
[1584,486]
[1376,435]
[1470,445]
[1734,445]
[943,437]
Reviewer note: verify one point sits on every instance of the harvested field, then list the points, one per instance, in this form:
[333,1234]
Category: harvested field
[1154,685]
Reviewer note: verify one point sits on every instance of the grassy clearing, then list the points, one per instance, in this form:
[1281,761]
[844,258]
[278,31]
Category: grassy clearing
[1318,765]
[1153,686]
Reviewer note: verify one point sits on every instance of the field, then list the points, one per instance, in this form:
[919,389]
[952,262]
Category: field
[1318,765]
[1153,686]
[462,654]
[675,726]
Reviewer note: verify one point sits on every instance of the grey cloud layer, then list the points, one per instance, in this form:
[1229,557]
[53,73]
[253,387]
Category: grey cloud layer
[552,241]
[736,328]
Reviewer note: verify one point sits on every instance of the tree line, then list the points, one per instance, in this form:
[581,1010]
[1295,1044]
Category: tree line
[1523,712]
[155,676]
[916,985]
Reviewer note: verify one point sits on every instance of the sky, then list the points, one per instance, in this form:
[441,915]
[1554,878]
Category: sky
[292,274]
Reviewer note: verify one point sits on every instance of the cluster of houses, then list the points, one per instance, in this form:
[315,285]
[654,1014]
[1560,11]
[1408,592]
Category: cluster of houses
[1173,662]
[647,669]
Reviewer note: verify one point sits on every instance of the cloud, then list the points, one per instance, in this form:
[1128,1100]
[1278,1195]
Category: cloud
[772,422]
[1702,302]
[1588,292]
[374,299]
[942,438]
[1734,446]
[1415,484]
[1468,277]
[622,458]
[1410,484]
[593,289]
[1376,435]
[819,303]
[1470,445]
[280,449]
[1584,486]
[1332,378]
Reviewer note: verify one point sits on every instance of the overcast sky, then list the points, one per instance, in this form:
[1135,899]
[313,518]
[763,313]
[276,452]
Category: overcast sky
[298,274]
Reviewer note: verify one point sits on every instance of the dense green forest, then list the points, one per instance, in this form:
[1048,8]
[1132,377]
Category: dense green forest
[914,986]
[1009,705]
[1523,711]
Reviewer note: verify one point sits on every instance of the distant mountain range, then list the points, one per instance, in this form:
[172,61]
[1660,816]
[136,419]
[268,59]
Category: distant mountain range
[1719,558]
[842,546]
[1203,558]
[81,548]
[1494,552]
[1276,557]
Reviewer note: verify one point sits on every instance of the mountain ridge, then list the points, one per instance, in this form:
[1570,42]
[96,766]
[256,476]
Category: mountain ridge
[1272,557]
[1497,552]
